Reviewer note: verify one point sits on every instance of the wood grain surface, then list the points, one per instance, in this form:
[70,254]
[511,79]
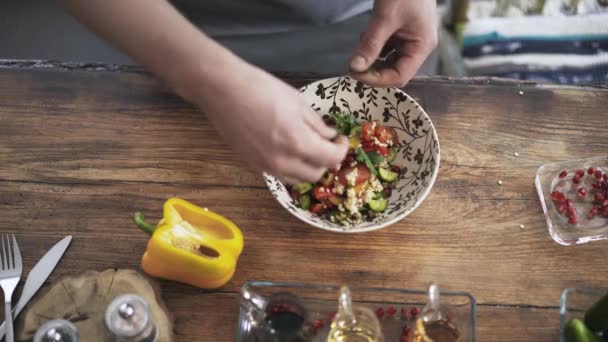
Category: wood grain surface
[80,151]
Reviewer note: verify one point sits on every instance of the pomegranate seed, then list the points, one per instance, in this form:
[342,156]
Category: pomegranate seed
[579,173]
[387,192]
[557,196]
[391,311]
[332,315]
[598,174]
[591,170]
[318,324]
[405,338]
[415,311]
[605,203]
[605,177]
[582,192]
[562,207]
[576,179]
[349,159]
[380,312]
[405,314]
[573,219]
[605,212]
[593,212]
[571,212]
[599,197]
[563,174]
[569,204]
[596,185]
[396,169]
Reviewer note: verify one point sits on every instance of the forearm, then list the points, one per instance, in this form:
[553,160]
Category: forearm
[157,36]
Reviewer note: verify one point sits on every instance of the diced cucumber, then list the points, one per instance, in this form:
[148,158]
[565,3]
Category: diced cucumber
[576,331]
[388,176]
[375,157]
[302,188]
[392,154]
[355,131]
[304,201]
[378,205]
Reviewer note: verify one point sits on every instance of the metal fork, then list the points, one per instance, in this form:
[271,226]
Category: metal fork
[10,273]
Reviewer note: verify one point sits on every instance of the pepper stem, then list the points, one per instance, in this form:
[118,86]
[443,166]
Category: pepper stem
[141,223]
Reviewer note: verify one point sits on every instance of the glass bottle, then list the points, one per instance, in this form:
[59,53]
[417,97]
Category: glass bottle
[57,330]
[354,324]
[434,325]
[128,318]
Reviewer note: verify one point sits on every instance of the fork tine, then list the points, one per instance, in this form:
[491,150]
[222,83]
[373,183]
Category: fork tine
[4,260]
[9,253]
[16,254]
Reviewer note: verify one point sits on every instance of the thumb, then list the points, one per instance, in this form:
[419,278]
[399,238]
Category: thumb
[371,44]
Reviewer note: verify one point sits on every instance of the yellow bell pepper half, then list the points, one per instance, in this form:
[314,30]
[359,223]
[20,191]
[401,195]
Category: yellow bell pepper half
[191,245]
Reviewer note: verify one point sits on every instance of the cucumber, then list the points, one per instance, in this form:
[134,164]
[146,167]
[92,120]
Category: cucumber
[388,176]
[355,131]
[302,188]
[304,201]
[378,205]
[577,331]
[596,317]
[392,154]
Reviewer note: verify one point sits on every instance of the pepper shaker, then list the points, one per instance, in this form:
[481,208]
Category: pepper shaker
[128,318]
[57,330]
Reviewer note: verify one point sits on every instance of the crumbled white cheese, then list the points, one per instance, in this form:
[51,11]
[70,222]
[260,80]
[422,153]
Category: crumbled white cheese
[373,126]
[321,189]
[338,188]
[350,203]
[353,164]
[340,207]
[369,195]
[377,142]
[375,184]
[351,177]
[389,142]
[383,164]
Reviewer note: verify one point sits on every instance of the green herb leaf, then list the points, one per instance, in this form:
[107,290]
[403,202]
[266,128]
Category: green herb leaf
[344,122]
[362,157]
[375,157]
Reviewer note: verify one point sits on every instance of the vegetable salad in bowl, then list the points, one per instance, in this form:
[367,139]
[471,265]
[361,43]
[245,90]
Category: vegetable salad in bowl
[358,188]
[391,166]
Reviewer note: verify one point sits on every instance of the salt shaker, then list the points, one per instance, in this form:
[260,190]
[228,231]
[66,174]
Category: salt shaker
[128,318]
[57,330]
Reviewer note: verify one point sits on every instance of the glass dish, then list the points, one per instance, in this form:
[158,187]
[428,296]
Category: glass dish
[574,303]
[317,303]
[547,178]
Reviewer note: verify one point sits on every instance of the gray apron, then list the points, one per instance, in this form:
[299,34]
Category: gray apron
[284,35]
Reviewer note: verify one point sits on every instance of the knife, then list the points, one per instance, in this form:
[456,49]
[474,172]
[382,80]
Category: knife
[38,276]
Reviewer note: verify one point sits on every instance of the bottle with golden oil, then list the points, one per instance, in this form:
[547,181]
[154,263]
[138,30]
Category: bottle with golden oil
[433,324]
[354,324]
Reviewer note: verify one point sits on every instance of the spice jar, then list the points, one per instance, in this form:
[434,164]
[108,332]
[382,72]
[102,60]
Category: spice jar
[128,318]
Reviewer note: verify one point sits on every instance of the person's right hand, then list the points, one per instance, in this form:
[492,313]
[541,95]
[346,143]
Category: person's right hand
[273,128]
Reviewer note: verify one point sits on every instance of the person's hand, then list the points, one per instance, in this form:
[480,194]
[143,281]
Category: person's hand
[273,128]
[414,22]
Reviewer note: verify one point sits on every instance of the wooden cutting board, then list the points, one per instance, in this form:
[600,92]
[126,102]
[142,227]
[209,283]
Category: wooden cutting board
[83,300]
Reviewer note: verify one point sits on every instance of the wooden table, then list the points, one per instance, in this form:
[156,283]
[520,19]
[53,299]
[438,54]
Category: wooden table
[83,147]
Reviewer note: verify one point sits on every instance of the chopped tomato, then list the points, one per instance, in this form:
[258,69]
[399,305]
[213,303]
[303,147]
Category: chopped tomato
[367,131]
[318,208]
[368,146]
[386,134]
[363,174]
[382,150]
[321,192]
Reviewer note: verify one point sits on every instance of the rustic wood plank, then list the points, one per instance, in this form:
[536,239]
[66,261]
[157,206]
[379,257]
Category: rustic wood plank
[466,244]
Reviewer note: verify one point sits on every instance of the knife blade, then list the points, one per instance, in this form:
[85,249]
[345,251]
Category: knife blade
[38,275]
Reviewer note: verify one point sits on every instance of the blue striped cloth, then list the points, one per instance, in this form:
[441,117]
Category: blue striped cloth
[567,50]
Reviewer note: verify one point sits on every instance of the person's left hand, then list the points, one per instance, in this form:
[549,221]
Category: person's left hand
[412,21]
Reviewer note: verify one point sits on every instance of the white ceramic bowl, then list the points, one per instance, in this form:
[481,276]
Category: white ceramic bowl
[418,149]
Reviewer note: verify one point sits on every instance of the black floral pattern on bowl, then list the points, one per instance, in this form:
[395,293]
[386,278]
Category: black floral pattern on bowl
[418,147]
